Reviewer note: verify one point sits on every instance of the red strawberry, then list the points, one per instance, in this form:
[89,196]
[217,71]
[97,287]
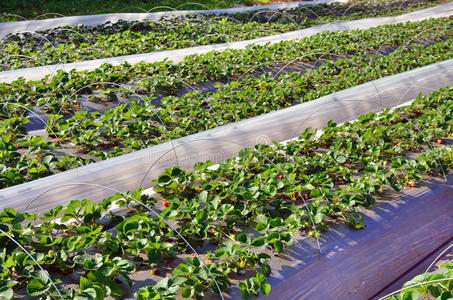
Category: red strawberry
[281,177]
[18,146]
[307,196]
[155,271]
[58,141]
[398,144]
[412,184]
[166,204]
[439,141]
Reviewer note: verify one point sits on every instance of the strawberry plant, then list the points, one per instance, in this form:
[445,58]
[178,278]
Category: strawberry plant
[254,285]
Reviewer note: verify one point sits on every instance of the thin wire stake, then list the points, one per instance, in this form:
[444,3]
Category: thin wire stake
[439,256]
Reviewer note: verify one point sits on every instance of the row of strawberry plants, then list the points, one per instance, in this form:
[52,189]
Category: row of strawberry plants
[251,97]
[71,44]
[16,10]
[263,198]
[61,93]
[114,133]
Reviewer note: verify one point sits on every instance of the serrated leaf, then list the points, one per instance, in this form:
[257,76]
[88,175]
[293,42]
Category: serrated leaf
[37,287]
[266,289]
[259,242]
[186,292]
[278,245]
[243,238]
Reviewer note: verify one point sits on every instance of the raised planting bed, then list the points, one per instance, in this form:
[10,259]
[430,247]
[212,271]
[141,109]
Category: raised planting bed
[70,44]
[240,213]
[113,132]
[153,13]
[233,63]
[180,55]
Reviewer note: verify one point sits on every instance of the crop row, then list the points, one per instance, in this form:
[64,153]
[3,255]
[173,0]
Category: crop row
[247,208]
[61,92]
[136,126]
[70,44]
[237,101]
[15,10]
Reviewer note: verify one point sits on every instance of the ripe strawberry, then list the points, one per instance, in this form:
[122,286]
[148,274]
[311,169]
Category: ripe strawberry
[411,184]
[281,177]
[439,141]
[166,204]
[307,196]
[155,271]
[58,141]
[18,146]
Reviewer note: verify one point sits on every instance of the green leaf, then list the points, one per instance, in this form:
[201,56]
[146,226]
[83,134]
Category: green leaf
[163,179]
[6,293]
[88,294]
[154,255]
[331,124]
[259,242]
[243,238]
[447,295]
[278,245]
[318,218]
[186,292]
[316,193]
[181,270]
[261,278]
[219,253]
[308,186]
[265,269]
[115,290]
[266,289]
[37,287]
[203,197]
[261,219]
[201,216]
[260,227]
[276,222]
[84,283]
